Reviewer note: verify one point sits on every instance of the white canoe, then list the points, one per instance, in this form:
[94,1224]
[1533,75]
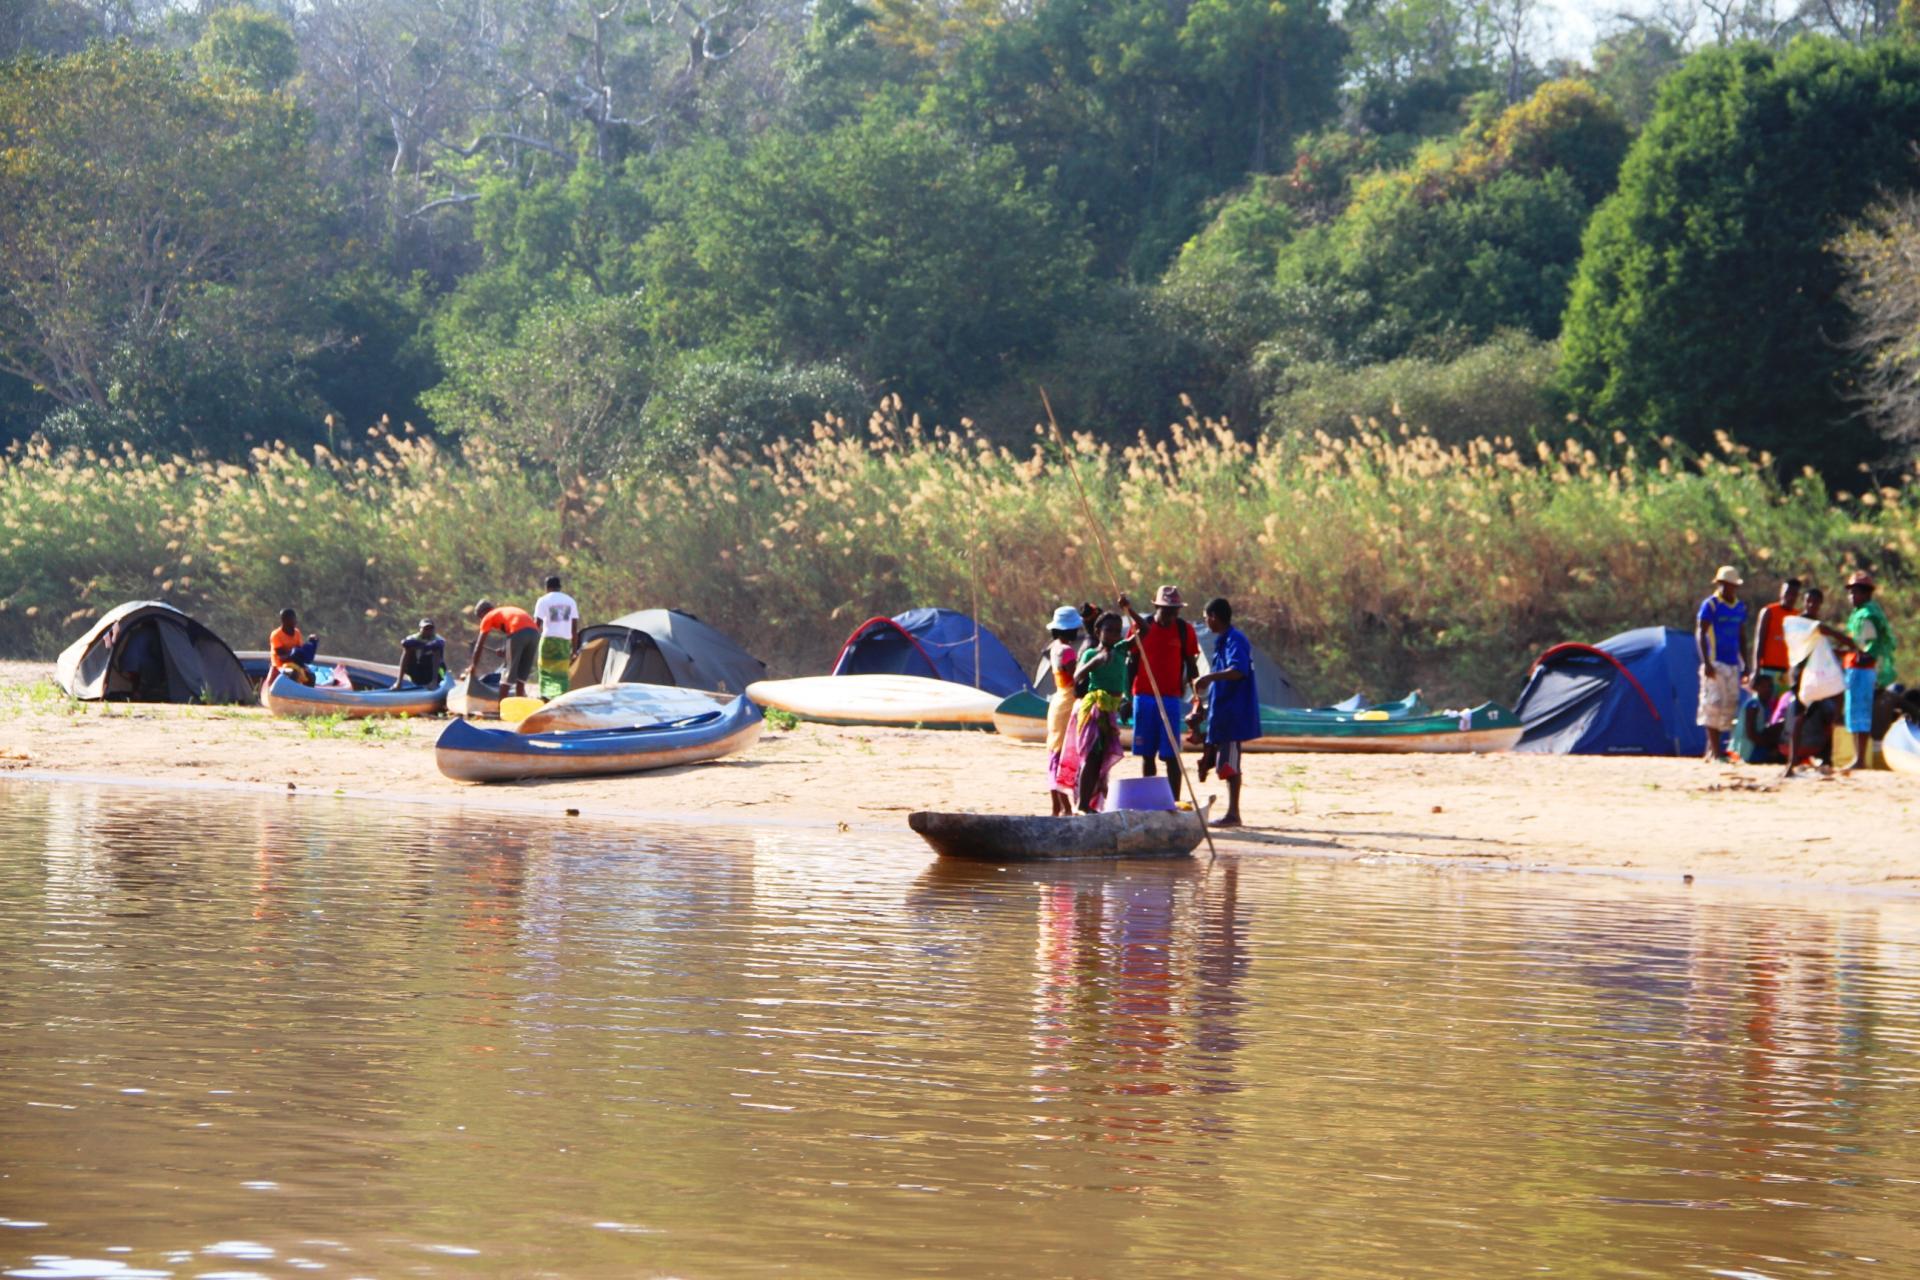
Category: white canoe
[618,706]
[1901,747]
[903,701]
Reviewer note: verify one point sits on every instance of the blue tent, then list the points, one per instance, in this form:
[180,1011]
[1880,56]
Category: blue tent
[1635,694]
[936,643]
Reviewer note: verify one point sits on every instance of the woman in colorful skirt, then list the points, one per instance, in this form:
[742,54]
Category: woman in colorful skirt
[1092,745]
[1062,659]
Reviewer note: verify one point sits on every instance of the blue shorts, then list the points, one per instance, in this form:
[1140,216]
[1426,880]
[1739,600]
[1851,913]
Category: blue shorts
[1860,682]
[1149,733]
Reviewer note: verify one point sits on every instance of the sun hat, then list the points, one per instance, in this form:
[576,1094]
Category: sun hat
[1066,618]
[1859,578]
[1168,596]
[1728,574]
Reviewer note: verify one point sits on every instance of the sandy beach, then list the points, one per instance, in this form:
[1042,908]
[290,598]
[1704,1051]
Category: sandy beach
[1643,816]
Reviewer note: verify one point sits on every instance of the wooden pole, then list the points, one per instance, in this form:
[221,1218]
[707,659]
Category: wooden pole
[1100,543]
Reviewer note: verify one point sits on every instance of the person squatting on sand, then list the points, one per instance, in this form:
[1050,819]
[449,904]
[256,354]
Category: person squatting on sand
[1720,630]
[1092,745]
[1062,658]
[1233,703]
[1168,662]
[423,658]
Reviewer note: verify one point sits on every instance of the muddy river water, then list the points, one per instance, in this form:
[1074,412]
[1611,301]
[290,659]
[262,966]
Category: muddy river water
[268,1036]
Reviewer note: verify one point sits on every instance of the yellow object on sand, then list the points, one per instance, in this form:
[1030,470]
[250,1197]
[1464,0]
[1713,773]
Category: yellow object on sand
[514,710]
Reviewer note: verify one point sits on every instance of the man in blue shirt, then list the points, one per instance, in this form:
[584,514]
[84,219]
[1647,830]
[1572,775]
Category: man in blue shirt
[1720,629]
[1233,701]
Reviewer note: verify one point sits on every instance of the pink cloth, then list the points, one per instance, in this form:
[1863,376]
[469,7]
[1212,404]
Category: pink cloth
[1082,736]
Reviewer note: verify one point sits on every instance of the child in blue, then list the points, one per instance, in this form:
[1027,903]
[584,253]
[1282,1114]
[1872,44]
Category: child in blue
[1233,701]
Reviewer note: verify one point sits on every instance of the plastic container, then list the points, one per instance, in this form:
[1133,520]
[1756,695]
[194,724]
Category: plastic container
[1147,795]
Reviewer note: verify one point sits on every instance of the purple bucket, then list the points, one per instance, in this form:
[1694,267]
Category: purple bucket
[1140,794]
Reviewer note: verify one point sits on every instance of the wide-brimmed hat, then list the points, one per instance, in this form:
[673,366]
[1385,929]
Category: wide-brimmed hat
[1168,597]
[1859,578]
[1066,618]
[1728,574]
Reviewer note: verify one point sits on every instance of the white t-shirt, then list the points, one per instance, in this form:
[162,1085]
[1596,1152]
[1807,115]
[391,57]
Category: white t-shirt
[557,613]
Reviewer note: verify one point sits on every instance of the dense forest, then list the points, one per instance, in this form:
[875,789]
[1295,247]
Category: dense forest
[410,261]
[604,234]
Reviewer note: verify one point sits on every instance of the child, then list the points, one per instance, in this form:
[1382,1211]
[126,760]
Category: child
[1062,659]
[289,652]
[1092,744]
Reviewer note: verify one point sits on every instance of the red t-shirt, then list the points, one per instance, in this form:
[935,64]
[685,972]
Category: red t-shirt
[1773,636]
[508,619]
[1168,649]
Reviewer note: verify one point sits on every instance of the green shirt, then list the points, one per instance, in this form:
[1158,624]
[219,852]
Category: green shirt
[1870,630]
[1109,676]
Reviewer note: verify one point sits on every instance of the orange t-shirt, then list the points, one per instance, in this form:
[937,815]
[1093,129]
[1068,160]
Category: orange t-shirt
[508,619]
[282,643]
[1773,636]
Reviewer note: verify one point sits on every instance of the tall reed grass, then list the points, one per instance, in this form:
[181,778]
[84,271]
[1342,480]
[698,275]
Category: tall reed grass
[1378,561]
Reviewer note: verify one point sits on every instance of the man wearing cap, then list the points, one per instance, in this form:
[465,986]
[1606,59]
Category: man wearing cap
[423,658]
[1869,665]
[1169,648]
[1720,629]
[522,638]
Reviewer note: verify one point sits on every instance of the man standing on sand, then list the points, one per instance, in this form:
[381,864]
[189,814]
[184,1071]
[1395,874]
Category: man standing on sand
[1769,634]
[1720,629]
[522,636]
[1233,701]
[559,617]
[1169,659]
[1869,665]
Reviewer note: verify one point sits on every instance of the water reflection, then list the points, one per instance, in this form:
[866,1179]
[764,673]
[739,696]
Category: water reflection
[272,1034]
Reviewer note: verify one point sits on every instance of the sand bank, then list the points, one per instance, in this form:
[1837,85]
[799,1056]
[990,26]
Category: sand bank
[1656,817]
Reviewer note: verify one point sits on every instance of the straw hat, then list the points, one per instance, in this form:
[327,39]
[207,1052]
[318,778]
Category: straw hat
[1729,575]
[1168,597]
[1859,578]
[1065,618]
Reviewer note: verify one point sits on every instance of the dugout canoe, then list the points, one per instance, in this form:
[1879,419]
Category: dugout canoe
[285,697]
[468,753]
[907,702]
[618,706]
[987,837]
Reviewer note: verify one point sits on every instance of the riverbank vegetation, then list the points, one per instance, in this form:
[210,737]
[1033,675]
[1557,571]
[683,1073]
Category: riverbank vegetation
[1377,560]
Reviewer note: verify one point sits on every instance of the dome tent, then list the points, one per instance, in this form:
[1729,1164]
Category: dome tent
[149,651]
[1632,694]
[662,646]
[939,644]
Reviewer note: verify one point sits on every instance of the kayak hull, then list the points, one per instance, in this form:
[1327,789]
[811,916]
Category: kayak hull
[906,702]
[1442,741]
[1901,747]
[618,706]
[1400,727]
[468,753]
[982,837]
[285,697]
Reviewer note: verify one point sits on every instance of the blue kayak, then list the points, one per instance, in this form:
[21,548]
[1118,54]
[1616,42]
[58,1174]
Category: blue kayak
[286,697]
[468,753]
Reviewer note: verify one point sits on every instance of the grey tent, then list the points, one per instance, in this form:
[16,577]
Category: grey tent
[149,651]
[662,646]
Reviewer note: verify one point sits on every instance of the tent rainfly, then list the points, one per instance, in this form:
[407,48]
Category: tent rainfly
[938,644]
[149,651]
[1634,694]
[663,646]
